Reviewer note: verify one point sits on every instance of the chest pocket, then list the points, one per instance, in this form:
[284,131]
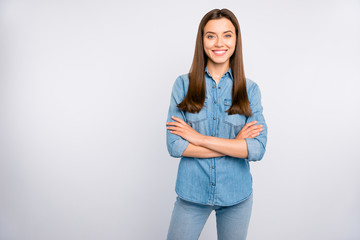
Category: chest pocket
[196,120]
[235,120]
[197,117]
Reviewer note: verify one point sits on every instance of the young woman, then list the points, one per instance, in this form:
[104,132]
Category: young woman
[215,124]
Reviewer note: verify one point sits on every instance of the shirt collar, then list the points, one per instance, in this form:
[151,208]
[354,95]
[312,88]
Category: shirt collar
[229,72]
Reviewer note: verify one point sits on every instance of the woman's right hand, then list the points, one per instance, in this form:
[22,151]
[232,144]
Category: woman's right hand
[250,130]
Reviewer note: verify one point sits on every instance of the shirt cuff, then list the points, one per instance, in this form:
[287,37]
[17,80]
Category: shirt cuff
[255,149]
[179,147]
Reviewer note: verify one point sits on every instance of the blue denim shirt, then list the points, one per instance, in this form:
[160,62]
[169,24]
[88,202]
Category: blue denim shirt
[226,180]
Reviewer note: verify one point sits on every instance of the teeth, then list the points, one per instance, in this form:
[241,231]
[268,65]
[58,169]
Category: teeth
[219,52]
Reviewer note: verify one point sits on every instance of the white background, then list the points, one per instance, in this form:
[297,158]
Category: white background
[84,94]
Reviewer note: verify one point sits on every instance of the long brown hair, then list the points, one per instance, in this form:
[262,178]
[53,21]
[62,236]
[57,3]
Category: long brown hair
[195,97]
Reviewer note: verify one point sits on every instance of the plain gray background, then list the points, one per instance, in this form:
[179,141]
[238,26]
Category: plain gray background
[84,94]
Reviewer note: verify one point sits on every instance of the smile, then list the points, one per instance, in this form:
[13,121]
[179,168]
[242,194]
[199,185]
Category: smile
[219,52]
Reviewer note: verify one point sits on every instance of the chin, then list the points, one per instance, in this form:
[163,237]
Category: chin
[218,61]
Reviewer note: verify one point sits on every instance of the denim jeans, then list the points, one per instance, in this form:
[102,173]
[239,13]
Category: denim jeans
[188,220]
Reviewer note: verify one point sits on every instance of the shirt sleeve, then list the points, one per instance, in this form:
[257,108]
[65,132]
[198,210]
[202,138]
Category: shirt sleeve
[256,146]
[176,145]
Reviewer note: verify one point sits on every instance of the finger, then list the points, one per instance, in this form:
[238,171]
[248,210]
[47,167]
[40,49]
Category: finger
[176,133]
[245,129]
[255,134]
[252,128]
[249,124]
[173,124]
[255,127]
[176,129]
[249,127]
[252,136]
[255,131]
[178,119]
[249,132]
[179,126]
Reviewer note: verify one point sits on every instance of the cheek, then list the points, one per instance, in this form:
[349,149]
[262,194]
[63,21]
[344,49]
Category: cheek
[206,45]
[207,50]
[231,43]
[232,46]
[232,51]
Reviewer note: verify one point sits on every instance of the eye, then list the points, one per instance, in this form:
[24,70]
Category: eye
[228,35]
[210,36]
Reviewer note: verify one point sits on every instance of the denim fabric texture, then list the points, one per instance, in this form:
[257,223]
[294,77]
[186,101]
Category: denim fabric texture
[188,220]
[221,181]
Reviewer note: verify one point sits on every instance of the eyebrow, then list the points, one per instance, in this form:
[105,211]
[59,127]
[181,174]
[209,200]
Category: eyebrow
[223,32]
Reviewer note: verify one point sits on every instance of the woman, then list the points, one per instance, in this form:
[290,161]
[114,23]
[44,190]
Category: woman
[215,124]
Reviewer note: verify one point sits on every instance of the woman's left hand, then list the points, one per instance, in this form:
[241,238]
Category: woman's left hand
[182,129]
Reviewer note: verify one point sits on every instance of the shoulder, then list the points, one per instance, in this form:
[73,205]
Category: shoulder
[182,82]
[180,86]
[183,78]
[253,92]
[250,84]
[251,87]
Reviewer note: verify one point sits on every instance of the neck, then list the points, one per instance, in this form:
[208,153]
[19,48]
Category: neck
[217,70]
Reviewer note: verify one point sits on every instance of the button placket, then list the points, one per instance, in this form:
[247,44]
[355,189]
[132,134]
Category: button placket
[214,109]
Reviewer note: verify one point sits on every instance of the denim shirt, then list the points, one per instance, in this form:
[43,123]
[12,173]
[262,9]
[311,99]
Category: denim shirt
[222,181]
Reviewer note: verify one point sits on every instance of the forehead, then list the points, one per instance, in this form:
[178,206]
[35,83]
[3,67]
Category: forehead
[219,25]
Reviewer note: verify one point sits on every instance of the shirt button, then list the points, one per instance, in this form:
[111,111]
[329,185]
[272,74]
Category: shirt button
[215,102]
[219,87]
[214,118]
[213,184]
[212,135]
[212,167]
[213,86]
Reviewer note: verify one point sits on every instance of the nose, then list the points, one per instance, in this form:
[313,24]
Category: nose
[219,42]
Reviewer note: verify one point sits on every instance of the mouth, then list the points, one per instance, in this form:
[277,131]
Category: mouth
[219,52]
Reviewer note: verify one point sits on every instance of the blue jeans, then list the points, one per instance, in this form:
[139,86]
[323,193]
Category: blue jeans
[188,220]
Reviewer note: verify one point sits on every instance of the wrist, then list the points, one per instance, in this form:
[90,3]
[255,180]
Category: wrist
[201,140]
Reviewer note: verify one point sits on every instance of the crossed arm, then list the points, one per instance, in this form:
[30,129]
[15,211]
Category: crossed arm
[201,146]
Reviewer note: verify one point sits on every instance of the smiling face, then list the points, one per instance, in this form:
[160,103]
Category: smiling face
[219,40]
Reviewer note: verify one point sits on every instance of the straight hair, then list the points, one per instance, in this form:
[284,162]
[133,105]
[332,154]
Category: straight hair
[195,97]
